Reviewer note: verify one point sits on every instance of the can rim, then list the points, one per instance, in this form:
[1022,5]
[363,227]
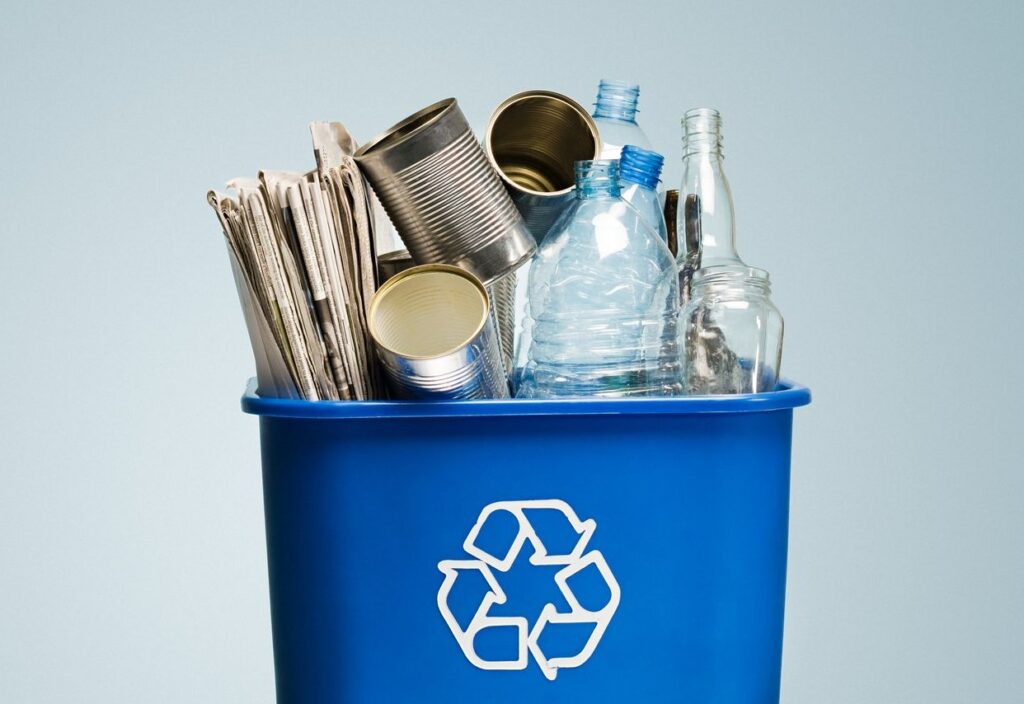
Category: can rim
[395,255]
[786,396]
[511,100]
[440,108]
[426,269]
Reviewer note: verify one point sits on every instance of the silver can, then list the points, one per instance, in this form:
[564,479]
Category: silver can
[502,294]
[435,337]
[393,263]
[533,139]
[444,196]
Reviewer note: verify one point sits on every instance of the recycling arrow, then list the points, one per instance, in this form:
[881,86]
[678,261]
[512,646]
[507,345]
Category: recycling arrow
[573,562]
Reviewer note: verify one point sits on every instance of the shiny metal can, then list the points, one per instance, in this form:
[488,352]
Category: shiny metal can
[435,337]
[502,294]
[533,139]
[444,196]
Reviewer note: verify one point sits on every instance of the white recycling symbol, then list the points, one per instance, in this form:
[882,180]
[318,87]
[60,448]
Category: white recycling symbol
[528,638]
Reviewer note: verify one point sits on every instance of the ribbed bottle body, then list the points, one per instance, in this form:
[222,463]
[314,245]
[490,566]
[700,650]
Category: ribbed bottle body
[603,303]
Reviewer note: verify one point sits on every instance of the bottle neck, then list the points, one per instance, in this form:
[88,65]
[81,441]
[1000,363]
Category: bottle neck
[597,179]
[617,100]
[706,213]
[702,132]
[640,166]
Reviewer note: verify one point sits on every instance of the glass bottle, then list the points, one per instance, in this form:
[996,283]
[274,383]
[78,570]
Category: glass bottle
[639,175]
[705,214]
[615,115]
[603,300]
[732,332]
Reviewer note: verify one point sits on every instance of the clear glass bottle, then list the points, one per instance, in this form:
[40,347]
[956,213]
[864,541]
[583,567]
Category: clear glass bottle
[615,115]
[603,300]
[731,333]
[639,176]
[705,216]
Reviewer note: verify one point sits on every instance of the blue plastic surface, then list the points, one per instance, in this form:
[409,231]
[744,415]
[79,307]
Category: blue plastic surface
[673,511]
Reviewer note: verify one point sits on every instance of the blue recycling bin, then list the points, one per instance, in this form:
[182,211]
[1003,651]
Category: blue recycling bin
[528,551]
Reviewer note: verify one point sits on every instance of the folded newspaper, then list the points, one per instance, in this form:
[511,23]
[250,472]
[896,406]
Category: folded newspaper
[303,257]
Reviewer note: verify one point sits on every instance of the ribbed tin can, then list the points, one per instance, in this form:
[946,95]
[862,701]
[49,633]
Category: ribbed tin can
[435,337]
[502,294]
[533,139]
[443,195]
[393,263]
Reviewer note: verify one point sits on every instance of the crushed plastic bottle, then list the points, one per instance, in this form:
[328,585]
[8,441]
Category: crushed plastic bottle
[639,175]
[603,301]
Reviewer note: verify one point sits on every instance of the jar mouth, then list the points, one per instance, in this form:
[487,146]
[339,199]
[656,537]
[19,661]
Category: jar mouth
[731,274]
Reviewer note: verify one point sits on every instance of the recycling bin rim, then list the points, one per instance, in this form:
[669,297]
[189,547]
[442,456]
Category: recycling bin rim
[787,395]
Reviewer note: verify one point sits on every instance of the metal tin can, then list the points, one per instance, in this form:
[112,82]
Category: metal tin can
[443,195]
[393,263]
[434,335]
[502,294]
[532,139]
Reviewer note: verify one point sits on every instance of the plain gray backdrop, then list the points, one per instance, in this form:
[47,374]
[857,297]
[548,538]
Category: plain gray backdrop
[875,154]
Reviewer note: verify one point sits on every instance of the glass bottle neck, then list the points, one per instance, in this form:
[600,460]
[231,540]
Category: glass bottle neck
[706,196]
[617,100]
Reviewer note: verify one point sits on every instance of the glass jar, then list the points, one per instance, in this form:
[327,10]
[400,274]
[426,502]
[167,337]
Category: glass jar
[731,333]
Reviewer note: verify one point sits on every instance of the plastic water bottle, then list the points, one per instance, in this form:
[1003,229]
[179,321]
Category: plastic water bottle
[603,300]
[615,115]
[639,175]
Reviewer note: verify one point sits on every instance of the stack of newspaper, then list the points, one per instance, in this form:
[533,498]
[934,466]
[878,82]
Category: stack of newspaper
[302,253]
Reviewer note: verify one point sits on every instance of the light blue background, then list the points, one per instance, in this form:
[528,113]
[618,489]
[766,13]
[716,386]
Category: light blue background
[874,151]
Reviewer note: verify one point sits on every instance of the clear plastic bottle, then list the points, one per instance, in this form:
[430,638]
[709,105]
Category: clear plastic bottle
[615,115]
[523,325]
[603,301]
[639,175]
[732,332]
